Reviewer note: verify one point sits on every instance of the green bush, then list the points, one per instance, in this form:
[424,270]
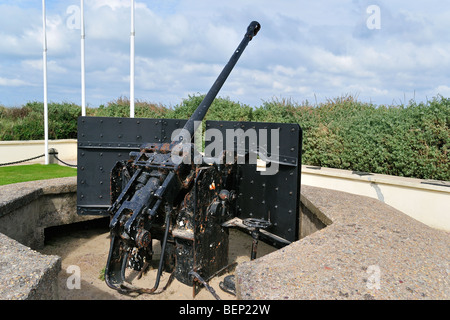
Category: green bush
[221,109]
[121,108]
[27,123]
[116,108]
[408,140]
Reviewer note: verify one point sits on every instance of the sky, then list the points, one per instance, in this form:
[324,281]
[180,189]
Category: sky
[382,52]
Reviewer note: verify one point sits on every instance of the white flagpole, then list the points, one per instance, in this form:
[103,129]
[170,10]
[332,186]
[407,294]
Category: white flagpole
[83,83]
[132,35]
[44,45]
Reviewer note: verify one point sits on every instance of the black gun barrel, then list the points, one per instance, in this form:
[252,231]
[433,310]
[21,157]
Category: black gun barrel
[198,115]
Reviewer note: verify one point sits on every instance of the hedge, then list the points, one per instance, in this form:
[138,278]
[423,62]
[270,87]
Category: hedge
[410,140]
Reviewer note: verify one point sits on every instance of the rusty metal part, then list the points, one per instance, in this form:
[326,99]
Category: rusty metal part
[115,268]
[202,243]
[196,276]
[143,238]
[256,225]
[228,285]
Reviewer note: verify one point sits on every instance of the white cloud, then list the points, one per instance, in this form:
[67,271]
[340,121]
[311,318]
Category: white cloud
[306,50]
[443,90]
[12,82]
[113,4]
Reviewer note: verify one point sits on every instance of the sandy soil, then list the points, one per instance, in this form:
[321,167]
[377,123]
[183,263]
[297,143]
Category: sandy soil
[86,245]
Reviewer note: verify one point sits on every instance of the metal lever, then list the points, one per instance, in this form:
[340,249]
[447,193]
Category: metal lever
[256,224]
[228,285]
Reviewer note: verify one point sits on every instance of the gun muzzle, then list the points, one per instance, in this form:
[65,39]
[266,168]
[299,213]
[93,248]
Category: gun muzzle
[253,29]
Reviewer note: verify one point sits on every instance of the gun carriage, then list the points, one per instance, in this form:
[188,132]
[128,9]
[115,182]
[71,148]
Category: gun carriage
[156,185]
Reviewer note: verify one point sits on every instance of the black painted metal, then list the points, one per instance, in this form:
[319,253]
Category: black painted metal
[271,197]
[102,141]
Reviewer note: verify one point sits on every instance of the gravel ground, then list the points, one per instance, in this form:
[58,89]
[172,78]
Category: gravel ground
[85,245]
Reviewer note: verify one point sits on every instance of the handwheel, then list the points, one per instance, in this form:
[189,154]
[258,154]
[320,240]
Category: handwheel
[257,223]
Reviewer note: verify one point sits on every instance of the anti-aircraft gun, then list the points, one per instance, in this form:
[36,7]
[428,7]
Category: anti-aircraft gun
[149,177]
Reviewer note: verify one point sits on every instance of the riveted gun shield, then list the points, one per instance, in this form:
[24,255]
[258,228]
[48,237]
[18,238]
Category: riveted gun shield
[154,183]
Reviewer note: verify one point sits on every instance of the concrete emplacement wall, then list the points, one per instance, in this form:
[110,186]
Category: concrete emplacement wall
[26,209]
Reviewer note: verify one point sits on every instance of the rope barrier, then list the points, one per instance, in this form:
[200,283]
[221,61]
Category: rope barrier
[67,164]
[37,157]
[20,161]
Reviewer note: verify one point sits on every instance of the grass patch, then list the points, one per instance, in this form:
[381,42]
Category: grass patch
[101,274]
[33,172]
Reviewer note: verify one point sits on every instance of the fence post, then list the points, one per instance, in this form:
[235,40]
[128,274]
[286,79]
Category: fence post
[53,153]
